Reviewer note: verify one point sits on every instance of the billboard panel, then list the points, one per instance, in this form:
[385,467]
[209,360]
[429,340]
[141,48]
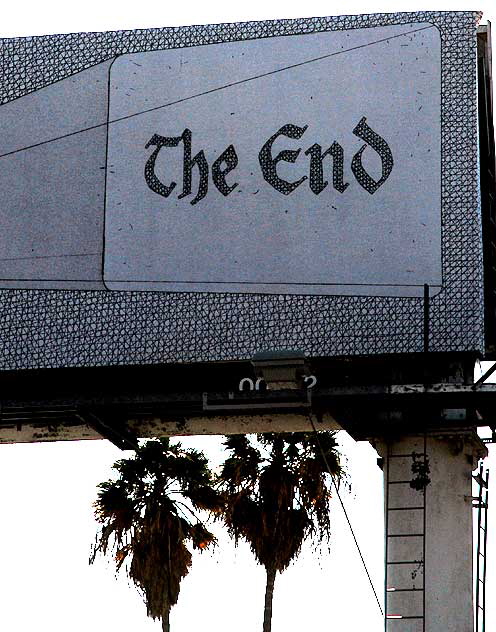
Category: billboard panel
[329,192]
[200,194]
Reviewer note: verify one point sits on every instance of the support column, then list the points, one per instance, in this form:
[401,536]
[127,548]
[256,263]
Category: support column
[428,530]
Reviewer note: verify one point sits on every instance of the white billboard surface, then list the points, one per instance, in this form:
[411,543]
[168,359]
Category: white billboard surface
[203,193]
[308,164]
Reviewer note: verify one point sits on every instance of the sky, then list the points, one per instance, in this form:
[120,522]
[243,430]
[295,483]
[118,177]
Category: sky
[47,490]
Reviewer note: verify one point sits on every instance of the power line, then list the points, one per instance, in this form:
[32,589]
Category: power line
[345,513]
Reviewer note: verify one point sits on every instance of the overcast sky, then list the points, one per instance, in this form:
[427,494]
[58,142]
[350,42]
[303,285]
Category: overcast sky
[47,527]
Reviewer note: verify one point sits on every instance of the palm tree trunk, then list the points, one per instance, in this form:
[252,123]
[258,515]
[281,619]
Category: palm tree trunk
[269,593]
[165,621]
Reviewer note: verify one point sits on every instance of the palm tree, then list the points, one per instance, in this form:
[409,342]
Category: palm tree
[277,493]
[148,514]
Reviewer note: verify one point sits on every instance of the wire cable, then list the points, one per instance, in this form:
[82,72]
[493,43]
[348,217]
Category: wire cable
[345,513]
[211,91]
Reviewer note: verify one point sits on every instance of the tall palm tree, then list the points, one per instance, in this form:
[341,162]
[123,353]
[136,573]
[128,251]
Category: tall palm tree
[277,491]
[149,513]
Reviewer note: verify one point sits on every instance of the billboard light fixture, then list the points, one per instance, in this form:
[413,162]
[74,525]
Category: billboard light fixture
[283,369]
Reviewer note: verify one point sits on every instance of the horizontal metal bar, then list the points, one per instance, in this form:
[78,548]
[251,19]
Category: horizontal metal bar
[254,405]
[138,399]
[405,590]
[267,406]
[405,508]
[406,535]
[413,562]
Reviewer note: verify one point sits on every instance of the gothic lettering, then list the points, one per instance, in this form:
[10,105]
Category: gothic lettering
[317,182]
[268,164]
[188,163]
[228,160]
[150,176]
[379,145]
[228,157]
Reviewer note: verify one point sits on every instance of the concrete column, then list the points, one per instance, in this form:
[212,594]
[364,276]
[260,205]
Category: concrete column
[429,576]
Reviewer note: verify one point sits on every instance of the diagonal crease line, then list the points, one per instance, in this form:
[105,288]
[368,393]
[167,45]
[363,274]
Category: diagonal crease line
[224,87]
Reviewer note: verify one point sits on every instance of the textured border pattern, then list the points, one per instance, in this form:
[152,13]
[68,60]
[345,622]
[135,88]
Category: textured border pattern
[54,328]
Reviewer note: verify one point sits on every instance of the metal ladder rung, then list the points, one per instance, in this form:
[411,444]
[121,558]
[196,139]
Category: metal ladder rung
[405,508]
[406,535]
[398,617]
[409,562]
[390,590]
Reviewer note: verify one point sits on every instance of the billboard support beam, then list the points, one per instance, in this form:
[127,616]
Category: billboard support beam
[428,529]
[117,433]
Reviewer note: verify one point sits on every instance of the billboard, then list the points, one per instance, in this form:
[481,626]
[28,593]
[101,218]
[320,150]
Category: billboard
[204,193]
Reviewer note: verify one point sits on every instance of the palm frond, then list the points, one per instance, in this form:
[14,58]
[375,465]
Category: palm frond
[278,491]
[144,524]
